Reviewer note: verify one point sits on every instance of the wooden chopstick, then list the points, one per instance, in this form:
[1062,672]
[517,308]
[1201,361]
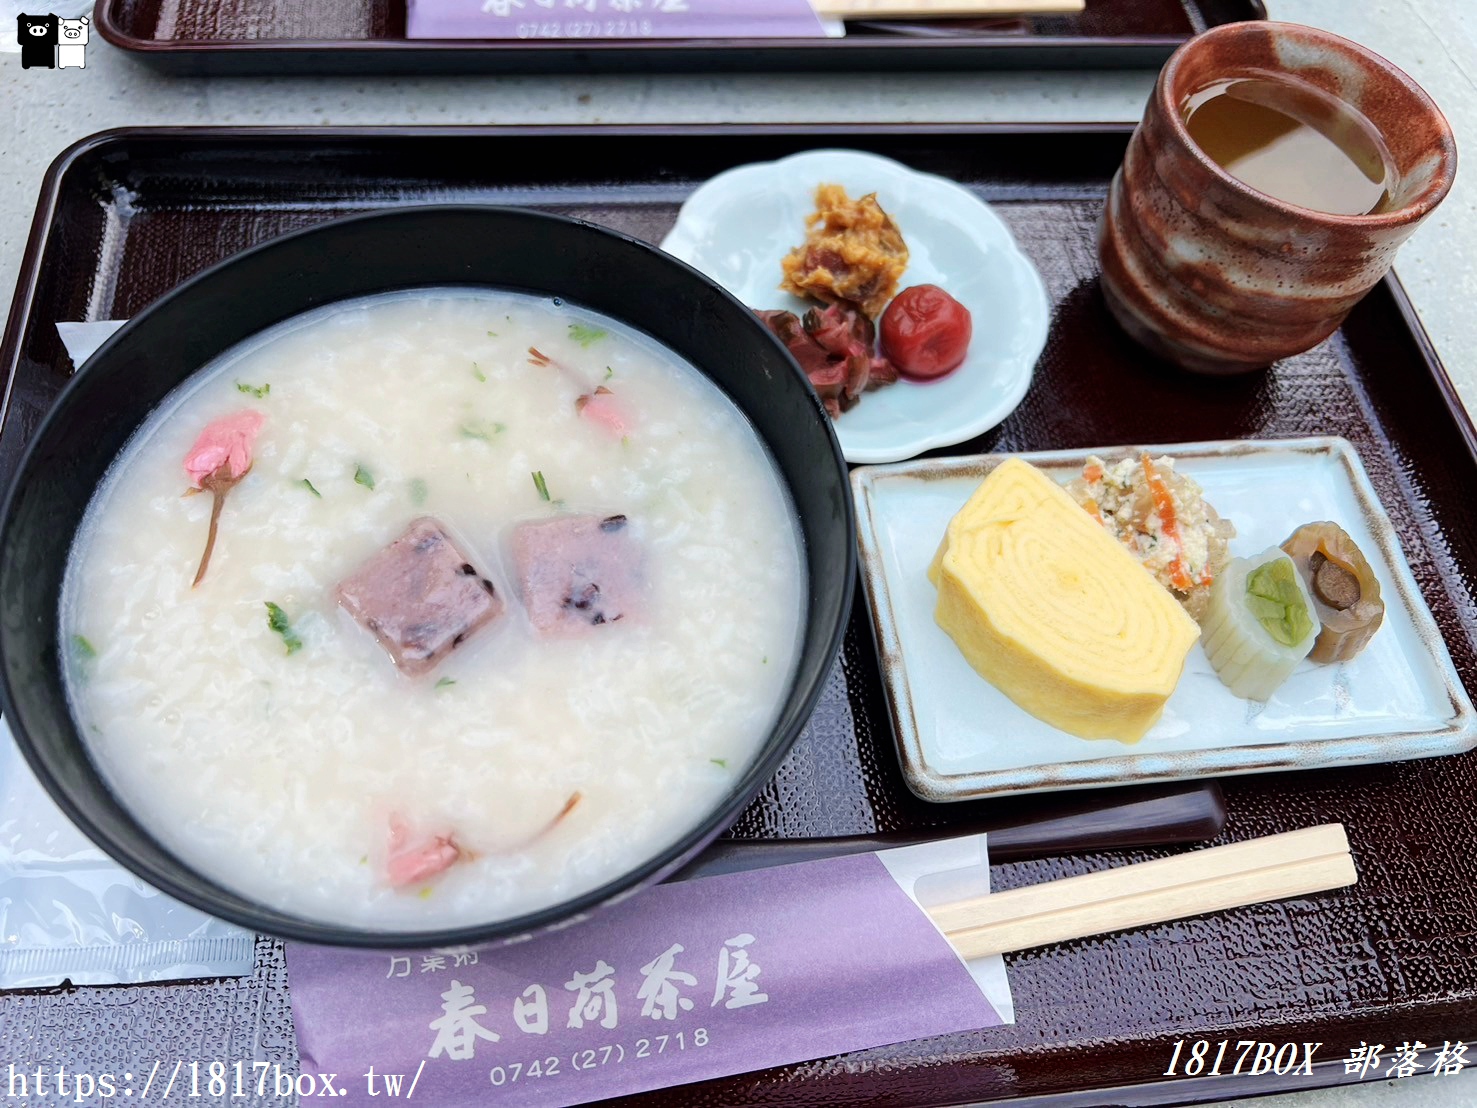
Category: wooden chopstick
[939,9]
[1295,863]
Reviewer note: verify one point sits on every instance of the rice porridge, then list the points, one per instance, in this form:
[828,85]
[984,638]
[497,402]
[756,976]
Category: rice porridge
[503,595]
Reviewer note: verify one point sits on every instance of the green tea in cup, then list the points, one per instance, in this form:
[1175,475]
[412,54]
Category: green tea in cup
[1292,142]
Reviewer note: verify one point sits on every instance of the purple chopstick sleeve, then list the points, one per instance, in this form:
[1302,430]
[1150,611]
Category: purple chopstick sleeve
[681,983]
[626,20]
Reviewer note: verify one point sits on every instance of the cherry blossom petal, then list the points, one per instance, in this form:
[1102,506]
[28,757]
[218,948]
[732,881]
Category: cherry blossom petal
[411,862]
[224,444]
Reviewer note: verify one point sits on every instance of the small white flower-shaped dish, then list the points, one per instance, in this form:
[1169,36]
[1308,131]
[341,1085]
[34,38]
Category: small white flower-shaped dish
[738,226]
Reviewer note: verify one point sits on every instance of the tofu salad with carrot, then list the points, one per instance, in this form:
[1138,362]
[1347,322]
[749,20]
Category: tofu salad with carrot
[1162,516]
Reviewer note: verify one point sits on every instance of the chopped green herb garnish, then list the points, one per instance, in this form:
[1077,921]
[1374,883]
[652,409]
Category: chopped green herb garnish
[82,648]
[277,621]
[1272,596]
[492,334]
[363,477]
[764,661]
[483,431]
[425,894]
[538,483]
[305,483]
[257,391]
[609,373]
[721,763]
[477,373]
[445,682]
[418,491]
[584,334]
[625,440]
[364,859]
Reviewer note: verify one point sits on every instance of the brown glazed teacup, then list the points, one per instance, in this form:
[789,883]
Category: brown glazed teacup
[1220,278]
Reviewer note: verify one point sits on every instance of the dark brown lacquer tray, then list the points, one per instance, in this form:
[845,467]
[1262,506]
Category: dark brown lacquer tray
[125,216]
[368,36]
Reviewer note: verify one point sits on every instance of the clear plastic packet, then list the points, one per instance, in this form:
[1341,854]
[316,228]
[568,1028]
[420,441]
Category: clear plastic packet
[69,913]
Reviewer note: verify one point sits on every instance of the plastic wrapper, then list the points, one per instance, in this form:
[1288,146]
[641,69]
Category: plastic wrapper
[69,913]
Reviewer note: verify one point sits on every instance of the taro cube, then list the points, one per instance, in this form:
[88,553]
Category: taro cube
[420,597]
[577,572]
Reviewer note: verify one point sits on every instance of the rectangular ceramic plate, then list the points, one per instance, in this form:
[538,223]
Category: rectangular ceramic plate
[960,738]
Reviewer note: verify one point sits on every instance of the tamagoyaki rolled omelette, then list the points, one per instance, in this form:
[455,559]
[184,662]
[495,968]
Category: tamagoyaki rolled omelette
[1054,612]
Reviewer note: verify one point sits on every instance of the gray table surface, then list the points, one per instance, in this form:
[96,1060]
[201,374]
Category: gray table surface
[43,111]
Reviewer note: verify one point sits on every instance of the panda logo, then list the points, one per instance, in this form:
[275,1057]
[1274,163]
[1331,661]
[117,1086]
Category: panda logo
[38,36]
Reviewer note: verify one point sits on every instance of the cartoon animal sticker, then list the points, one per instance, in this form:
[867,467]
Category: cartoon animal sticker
[38,39]
[71,47]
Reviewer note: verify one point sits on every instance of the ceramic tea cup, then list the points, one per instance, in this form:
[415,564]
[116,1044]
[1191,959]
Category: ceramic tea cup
[1220,277]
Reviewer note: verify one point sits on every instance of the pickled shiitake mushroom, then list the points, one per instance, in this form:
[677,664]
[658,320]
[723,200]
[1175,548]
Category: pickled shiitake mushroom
[1345,590]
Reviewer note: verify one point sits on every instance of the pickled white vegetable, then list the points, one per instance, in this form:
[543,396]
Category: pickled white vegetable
[1259,625]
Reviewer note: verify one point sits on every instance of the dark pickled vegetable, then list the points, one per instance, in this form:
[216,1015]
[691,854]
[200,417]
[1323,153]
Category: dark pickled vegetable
[833,346]
[1345,591]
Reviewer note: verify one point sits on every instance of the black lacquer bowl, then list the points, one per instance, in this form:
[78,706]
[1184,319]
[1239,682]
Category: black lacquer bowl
[417,247]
